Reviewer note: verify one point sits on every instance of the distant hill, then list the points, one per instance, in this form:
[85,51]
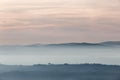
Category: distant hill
[60,72]
[84,44]
[111,43]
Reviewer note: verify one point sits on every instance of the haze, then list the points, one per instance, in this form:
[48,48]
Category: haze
[58,21]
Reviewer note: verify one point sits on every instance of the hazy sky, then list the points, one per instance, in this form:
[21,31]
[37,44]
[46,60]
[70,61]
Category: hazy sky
[58,21]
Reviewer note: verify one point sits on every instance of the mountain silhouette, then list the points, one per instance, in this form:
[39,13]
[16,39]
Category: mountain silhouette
[60,72]
[101,44]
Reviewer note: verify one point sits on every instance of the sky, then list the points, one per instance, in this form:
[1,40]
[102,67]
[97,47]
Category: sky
[59,21]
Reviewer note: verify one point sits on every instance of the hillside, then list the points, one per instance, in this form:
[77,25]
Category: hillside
[61,72]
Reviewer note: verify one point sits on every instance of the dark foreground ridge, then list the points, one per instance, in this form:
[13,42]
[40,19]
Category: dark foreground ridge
[60,72]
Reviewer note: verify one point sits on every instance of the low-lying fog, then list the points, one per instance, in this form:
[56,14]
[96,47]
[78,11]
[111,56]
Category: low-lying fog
[58,55]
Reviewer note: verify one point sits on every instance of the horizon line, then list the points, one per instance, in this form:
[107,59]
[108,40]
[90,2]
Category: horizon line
[58,43]
[54,64]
